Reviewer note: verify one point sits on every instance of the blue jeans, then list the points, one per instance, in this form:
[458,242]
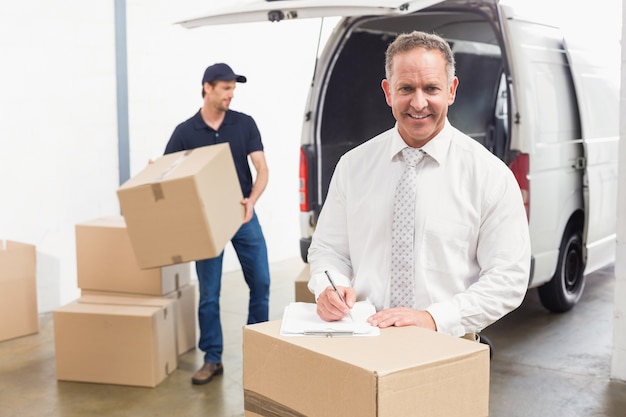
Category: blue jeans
[249,244]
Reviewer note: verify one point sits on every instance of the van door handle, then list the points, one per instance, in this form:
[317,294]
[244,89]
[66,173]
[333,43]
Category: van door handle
[580,163]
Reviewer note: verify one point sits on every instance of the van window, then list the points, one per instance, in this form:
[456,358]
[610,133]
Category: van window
[544,71]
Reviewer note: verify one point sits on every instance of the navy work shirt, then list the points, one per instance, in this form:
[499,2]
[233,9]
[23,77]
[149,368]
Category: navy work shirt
[238,129]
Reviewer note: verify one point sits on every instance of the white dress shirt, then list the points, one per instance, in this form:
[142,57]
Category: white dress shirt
[472,245]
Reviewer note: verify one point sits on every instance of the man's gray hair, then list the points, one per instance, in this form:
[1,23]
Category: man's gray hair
[406,42]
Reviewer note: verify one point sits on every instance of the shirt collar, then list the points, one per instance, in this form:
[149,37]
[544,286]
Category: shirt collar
[436,148]
[198,122]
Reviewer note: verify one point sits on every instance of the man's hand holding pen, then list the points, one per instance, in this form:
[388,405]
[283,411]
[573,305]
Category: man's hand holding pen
[335,302]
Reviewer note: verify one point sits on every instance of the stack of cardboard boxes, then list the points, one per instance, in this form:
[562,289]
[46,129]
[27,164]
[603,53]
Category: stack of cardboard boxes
[129,324]
[137,310]
[18,290]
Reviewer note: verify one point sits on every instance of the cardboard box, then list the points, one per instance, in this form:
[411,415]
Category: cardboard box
[183,207]
[115,344]
[404,372]
[185,306]
[18,290]
[301,286]
[105,261]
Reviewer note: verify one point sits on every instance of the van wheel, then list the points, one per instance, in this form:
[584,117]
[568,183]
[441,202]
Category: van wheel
[563,291]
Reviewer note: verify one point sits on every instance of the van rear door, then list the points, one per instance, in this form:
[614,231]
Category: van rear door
[547,128]
[277,10]
[600,133]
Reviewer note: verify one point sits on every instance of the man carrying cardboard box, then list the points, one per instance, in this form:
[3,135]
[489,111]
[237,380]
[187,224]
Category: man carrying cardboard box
[215,123]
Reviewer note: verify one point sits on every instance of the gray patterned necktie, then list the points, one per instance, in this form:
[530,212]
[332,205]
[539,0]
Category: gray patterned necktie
[403,230]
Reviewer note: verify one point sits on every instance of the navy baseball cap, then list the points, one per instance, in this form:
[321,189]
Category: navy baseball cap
[221,72]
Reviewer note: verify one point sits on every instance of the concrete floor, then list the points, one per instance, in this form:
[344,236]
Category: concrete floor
[543,364]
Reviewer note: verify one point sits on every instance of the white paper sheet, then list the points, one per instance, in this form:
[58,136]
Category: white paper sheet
[301,319]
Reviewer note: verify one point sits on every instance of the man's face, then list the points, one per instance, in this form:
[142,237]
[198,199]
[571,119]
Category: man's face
[220,95]
[419,94]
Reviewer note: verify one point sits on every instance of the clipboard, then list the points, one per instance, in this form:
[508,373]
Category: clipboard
[301,319]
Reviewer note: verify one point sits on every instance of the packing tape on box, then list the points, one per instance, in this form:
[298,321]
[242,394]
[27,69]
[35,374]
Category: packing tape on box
[263,406]
[157,190]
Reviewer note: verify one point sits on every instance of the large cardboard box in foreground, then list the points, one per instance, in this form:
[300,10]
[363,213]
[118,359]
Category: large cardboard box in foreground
[105,261]
[183,207]
[18,290]
[404,372]
[115,344]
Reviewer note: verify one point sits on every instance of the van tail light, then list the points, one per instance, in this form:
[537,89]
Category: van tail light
[519,166]
[304,185]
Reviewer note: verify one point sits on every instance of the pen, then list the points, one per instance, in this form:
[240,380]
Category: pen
[337,291]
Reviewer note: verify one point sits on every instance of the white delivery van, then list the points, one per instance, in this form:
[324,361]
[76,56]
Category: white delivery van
[541,101]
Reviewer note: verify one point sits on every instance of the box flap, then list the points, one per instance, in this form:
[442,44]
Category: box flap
[105,221]
[126,300]
[412,347]
[175,165]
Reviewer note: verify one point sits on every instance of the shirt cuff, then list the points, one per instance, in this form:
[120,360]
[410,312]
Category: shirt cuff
[447,318]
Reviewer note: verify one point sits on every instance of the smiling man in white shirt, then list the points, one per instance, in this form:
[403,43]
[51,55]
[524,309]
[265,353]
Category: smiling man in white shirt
[470,244]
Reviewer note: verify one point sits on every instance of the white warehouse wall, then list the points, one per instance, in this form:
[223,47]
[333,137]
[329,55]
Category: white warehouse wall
[58,133]
[58,130]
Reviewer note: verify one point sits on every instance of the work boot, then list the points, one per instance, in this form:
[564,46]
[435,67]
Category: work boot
[205,374]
